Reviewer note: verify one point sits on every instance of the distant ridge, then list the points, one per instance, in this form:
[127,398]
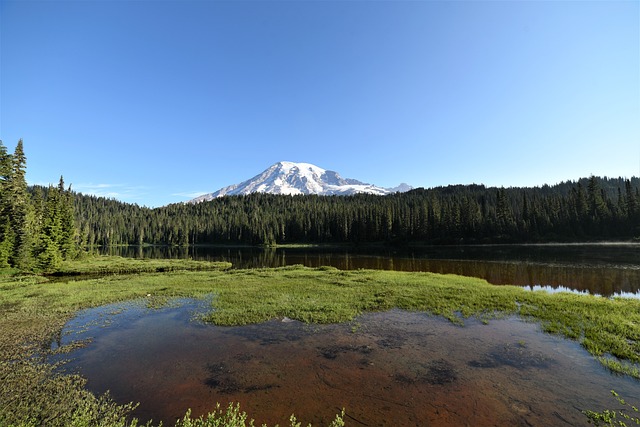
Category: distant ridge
[300,178]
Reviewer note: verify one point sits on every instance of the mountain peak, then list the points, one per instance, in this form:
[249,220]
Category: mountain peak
[285,165]
[299,178]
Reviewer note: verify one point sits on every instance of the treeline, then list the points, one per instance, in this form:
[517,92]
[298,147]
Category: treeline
[589,209]
[37,225]
[40,227]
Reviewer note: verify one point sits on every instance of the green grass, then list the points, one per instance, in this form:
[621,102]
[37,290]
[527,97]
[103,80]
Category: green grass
[33,310]
[119,265]
[605,327]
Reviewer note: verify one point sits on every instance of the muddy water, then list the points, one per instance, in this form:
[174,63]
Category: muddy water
[393,368]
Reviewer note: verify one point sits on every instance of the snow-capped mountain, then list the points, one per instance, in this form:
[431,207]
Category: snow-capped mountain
[300,178]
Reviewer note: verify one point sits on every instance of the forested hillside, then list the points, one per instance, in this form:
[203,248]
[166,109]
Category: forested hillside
[586,210]
[40,227]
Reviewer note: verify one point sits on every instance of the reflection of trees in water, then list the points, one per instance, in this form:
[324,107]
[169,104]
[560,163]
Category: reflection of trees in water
[602,270]
[595,280]
[605,281]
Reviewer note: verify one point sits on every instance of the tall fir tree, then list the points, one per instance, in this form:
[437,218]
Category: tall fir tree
[6,233]
[48,255]
[68,243]
[20,212]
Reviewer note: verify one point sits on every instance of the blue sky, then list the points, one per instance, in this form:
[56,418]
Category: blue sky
[154,102]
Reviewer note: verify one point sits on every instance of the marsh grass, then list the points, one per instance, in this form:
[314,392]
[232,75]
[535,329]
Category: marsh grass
[234,417]
[92,264]
[607,328]
[615,417]
[34,310]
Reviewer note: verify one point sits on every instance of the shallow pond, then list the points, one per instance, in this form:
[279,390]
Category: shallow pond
[392,368]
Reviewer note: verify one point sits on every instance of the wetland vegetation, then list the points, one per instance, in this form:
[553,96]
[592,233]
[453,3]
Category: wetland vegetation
[606,269]
[34,310]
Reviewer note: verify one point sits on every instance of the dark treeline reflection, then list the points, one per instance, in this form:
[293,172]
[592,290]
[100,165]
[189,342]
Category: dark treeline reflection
[597,269]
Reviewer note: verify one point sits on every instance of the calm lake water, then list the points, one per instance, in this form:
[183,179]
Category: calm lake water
[603,269]
[392,368]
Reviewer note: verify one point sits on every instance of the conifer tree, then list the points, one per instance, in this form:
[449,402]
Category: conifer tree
[632,208]
[67,241]
[597,205]
[20,209]
[48,258]
[6,234]
[39,209]
[48,254]
[504,214]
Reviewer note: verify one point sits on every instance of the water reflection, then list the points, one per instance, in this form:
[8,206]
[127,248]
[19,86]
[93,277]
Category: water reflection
[598,269]
[391,368]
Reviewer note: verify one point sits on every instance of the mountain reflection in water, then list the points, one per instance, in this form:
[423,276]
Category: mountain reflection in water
[388,368]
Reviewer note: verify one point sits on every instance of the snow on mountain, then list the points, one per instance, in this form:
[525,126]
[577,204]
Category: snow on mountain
[300,178]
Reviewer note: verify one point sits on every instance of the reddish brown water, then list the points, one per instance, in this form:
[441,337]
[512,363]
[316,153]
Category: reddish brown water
[394,368]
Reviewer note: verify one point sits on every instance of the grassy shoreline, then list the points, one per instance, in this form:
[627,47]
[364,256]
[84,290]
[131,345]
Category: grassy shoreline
[33,310]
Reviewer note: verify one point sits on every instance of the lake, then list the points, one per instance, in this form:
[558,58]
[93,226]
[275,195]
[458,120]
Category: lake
[608,269]
[393,368]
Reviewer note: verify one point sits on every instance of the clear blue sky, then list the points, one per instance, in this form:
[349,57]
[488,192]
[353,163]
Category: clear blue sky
[154,102]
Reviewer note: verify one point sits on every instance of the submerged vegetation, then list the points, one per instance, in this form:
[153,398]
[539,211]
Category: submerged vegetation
[615,417]
[34,309]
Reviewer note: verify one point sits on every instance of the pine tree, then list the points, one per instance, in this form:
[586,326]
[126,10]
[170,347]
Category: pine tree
[19,209]
[631,205]
[39,211]
[504,215]
[67,241]
[49,257]
[48,253]
[597,205]
[6,234]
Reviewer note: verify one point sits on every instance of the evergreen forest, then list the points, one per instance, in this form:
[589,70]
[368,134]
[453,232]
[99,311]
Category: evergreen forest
[37,225]
[40,226]
[590,209]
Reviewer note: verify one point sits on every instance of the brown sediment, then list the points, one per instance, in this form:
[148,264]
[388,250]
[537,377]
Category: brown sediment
[397,369]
